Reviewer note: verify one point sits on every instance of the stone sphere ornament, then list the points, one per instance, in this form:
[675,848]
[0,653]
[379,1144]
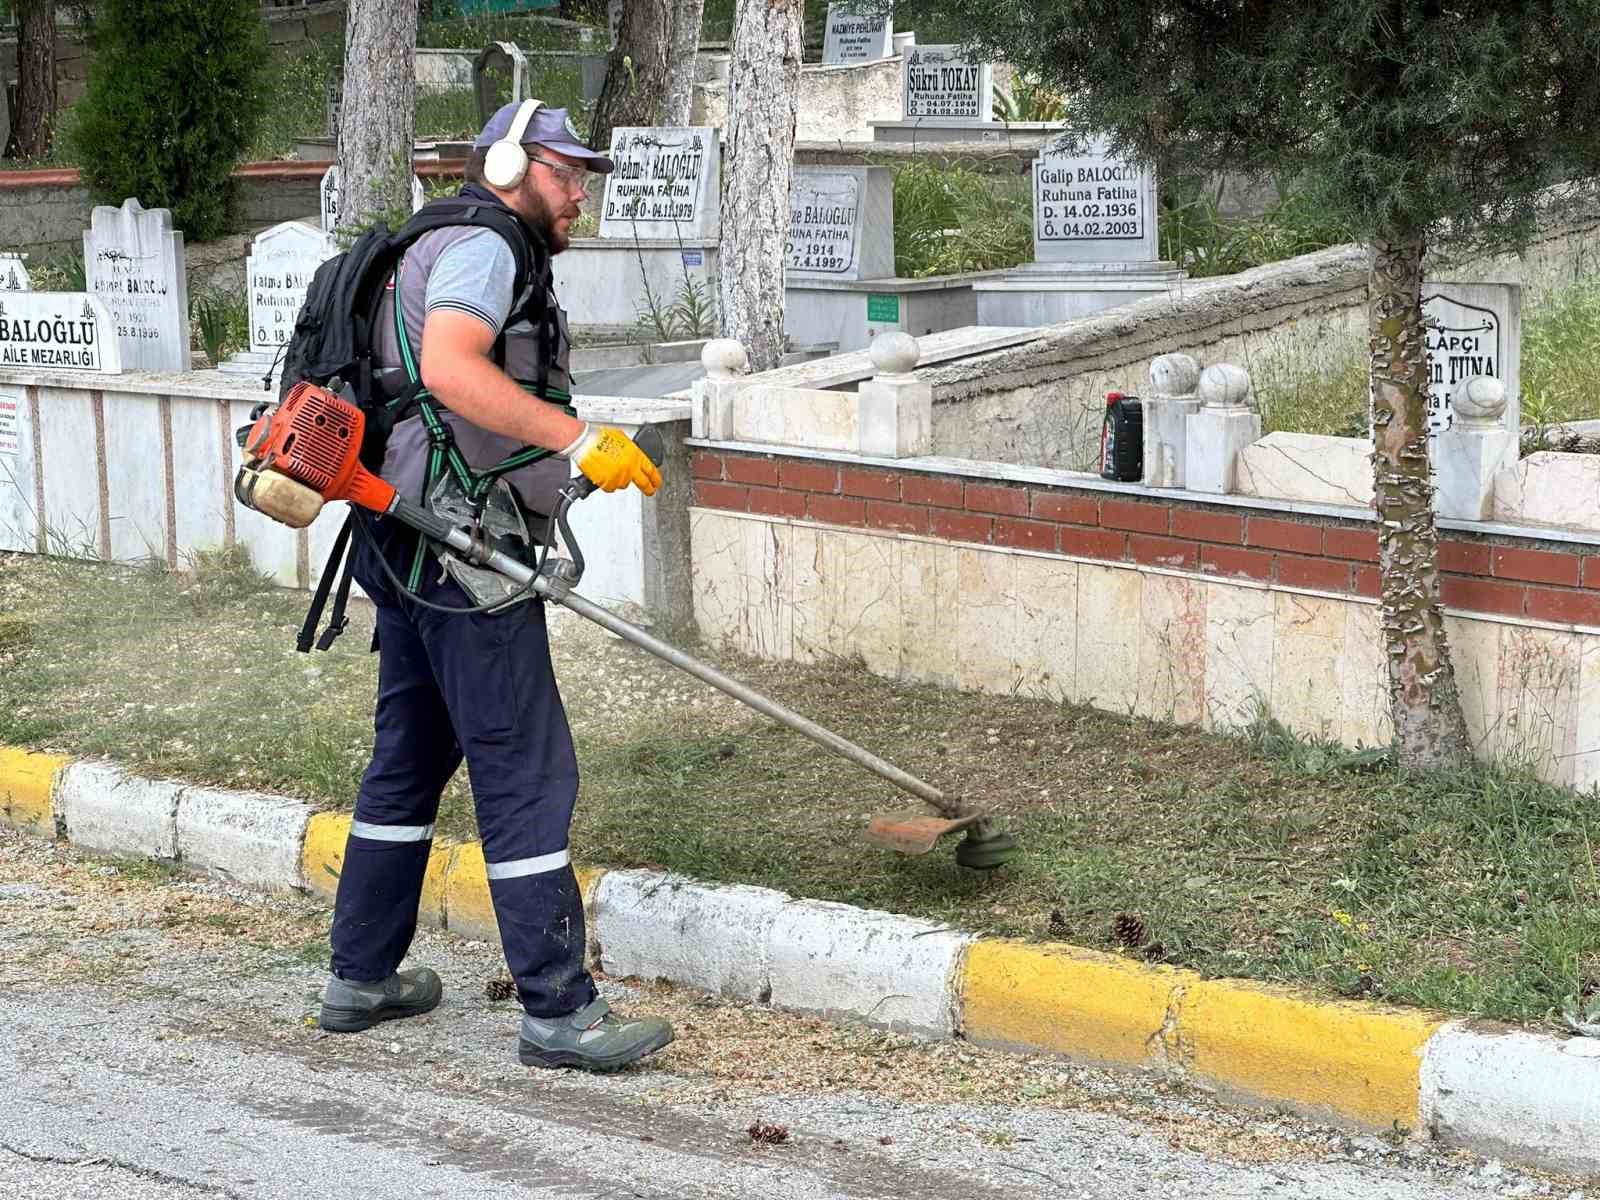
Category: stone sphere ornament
[1223,385]
[895,353]
[1174,375]
[1479,400]
[723,357]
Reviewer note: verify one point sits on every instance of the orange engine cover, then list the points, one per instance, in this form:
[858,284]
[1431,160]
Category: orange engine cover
[314,437]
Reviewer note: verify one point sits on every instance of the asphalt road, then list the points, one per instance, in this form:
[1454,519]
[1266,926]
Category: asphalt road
[156,1045]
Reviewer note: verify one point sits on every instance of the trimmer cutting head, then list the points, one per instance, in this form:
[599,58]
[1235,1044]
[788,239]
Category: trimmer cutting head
[983,849]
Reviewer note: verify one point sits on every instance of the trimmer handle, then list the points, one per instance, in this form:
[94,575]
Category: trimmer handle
[647,439]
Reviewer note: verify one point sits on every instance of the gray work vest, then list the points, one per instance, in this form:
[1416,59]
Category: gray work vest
[406,458]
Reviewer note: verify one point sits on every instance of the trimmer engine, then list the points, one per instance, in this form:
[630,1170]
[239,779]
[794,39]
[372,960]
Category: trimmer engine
[304,453]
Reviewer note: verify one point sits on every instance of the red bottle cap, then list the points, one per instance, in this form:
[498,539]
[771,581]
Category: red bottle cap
[1112,398]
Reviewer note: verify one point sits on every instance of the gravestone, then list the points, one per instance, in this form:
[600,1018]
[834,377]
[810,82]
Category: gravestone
[278,271]
[328,194]
[133,260]
[666,185]
[58,331]
[841,223]
[1472,329]
[496,63]
[333,102]
[1092,208]
[1095,241]
[14,274]
[852,37]
[946,82]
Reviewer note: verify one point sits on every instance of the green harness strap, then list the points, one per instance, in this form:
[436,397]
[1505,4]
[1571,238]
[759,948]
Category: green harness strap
[443,450]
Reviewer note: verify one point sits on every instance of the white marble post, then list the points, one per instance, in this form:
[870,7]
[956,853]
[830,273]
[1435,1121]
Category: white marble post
[1472,450]
[1224,426]
[1167,408]
[725,360]
[895,414]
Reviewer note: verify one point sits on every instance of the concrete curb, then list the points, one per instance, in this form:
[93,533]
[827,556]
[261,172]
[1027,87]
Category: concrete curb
[1528,1096]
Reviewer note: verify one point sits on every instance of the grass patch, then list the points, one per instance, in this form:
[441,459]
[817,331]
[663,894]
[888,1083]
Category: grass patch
[1261,855]
[1318,383]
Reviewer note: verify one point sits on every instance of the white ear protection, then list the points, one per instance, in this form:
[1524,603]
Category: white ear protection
[507,162]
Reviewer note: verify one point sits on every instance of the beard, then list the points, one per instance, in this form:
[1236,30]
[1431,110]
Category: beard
[543,219]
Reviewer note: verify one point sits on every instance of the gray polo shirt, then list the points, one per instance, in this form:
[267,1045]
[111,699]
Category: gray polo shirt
[468,270]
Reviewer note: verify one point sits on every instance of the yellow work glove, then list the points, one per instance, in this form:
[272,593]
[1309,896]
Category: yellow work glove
[608,457]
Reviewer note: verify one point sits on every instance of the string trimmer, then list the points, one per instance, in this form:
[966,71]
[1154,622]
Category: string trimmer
[307,452]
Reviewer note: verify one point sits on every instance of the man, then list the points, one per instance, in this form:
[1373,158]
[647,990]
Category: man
[479,684]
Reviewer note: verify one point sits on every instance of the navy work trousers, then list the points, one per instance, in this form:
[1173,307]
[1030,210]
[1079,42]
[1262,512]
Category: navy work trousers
[479,686]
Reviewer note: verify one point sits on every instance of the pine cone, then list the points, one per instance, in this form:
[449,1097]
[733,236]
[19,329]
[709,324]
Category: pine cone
[1129,930]
[503,988]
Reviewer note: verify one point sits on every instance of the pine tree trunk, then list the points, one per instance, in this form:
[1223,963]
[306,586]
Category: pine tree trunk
[377,123]
[636,77]
[1423,698]
[32,123]
[757,165]
[686,18]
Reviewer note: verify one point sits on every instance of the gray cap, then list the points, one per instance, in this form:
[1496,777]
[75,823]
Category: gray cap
[551,128]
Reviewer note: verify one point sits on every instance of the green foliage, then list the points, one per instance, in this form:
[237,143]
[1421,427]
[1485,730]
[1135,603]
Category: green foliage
[948,218]
[1028,100]
[1203,242]
[446,30]
[64,273]
[295,99]
[172,104]
[1400,118]
[1560,370]
[222,318]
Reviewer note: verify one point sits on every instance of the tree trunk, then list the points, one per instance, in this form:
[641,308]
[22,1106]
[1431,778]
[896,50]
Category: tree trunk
[32,123]
[636,77]
[686,18]
[757,165]
[1423,698]
[377,123]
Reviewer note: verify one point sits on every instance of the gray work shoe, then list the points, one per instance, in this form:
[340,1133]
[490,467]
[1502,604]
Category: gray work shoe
[350,1007]
[592,1038]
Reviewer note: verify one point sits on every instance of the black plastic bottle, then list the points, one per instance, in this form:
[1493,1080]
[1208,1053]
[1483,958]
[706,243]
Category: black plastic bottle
[1122,439]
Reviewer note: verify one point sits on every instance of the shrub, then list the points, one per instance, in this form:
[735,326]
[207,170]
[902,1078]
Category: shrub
[173,101]
[948,218]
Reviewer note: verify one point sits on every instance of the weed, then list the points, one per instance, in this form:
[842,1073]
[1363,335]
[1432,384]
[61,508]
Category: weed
[1028,100]
[949,218]
[222,320]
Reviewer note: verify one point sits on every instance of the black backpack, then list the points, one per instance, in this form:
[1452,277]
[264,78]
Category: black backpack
[334,340]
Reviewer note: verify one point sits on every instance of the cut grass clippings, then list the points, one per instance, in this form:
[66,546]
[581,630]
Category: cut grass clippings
[1261,856]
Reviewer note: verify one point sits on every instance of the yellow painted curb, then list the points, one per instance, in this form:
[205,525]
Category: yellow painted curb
[468,907]
[1089,1006]
[1356,1061]
[25,784]
[431,909]
[322,856]
[1352,1062]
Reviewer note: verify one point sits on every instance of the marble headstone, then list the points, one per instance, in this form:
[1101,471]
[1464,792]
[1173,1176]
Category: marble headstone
[498,64]
[1472,329]
[666,185]
[852,37]
[328,195]
[841,223]
[58,331]
[946,81]
[133,261]
[278,271]
[1092,208]
[14,274]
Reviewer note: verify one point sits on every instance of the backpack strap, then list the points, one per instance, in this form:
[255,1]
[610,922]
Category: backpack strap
[319,599]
